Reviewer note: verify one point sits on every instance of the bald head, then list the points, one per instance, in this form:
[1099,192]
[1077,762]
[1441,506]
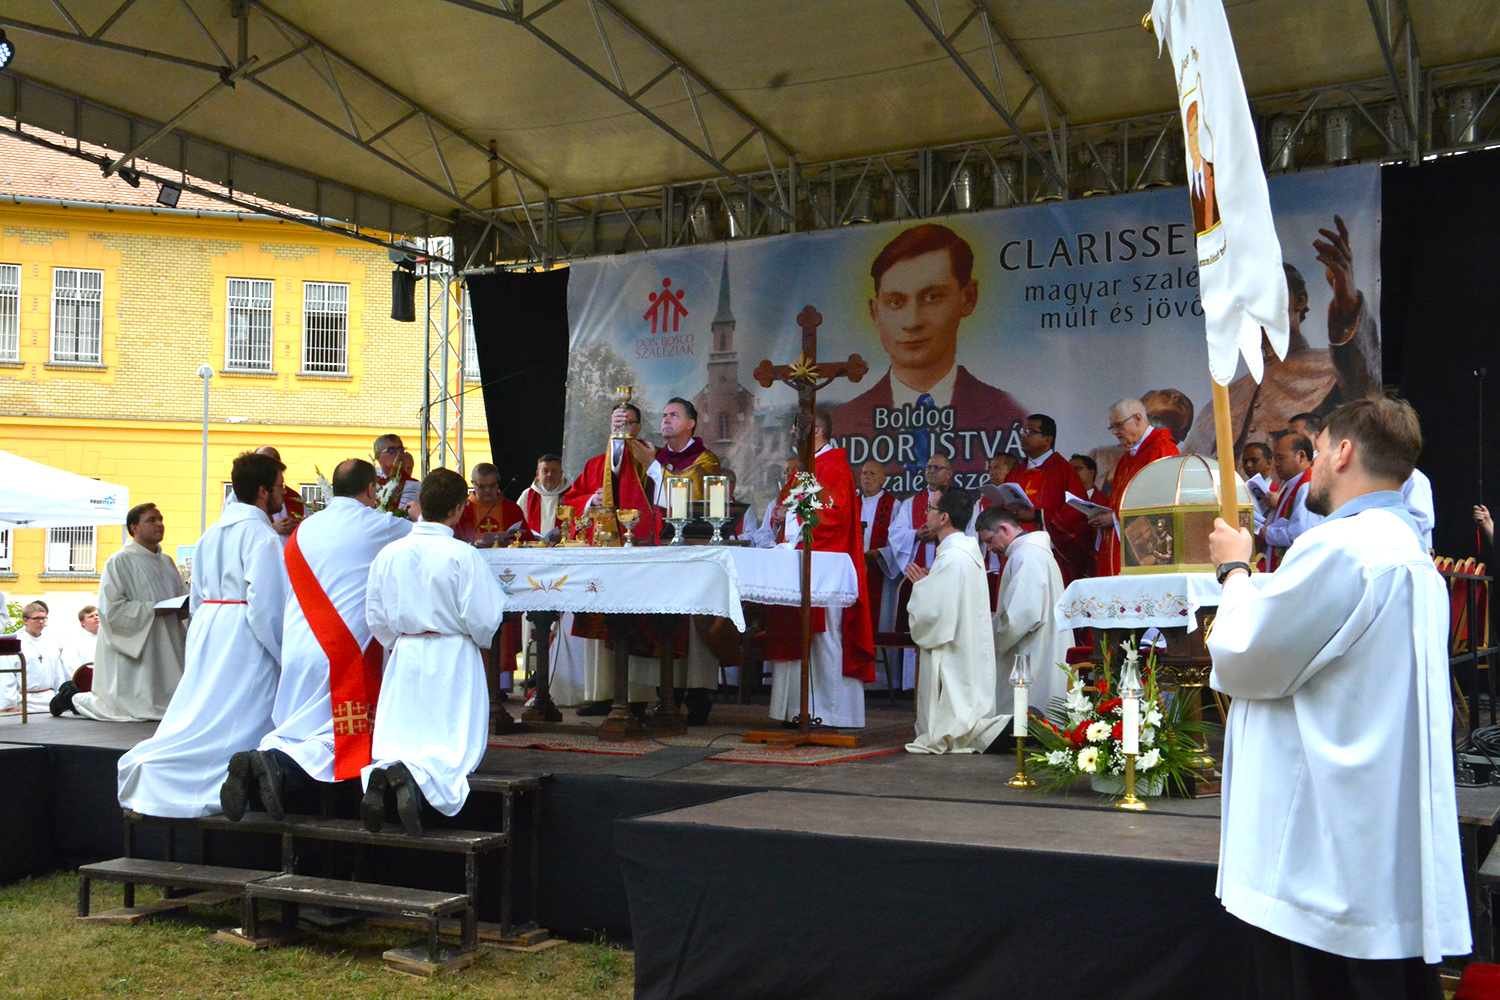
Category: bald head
[871,478]
[268,450]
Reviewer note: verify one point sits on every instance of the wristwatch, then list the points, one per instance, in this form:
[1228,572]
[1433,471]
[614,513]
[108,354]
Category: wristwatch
[1223,571]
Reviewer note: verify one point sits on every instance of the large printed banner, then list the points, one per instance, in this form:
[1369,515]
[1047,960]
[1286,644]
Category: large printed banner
[971,322]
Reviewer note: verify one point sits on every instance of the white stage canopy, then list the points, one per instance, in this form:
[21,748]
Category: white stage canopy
[33,495]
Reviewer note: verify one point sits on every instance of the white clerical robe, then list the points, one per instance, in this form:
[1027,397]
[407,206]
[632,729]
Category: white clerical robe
[1025,623]
[1339,826]
[339,543]
[139,656]
[79,650]
[223,704]
[433,602]
[950,620]
[44,674]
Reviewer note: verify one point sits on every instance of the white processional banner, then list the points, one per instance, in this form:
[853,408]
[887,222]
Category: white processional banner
[1239,257]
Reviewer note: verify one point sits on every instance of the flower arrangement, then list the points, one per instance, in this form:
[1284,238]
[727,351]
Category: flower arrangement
[1082,733]
[12,621]
[804,501]
[387,494]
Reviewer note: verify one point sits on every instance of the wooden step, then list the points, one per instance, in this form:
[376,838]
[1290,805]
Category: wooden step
[215,884]
[368,896]
[506,783]
[352,831]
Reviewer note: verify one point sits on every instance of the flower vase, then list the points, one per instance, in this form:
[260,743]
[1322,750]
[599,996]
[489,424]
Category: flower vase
[1114,784]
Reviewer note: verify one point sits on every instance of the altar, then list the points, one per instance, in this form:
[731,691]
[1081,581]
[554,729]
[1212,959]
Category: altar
[662,580]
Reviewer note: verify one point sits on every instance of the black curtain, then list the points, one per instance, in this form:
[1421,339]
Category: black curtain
[1438,326]
[521,334]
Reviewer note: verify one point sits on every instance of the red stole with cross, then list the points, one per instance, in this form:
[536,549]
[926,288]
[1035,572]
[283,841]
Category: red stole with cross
[353,674]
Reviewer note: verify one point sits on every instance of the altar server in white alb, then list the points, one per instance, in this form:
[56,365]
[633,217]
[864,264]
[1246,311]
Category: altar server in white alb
[323,708]
[223,704]
[1339,839]
[139,655]
[44,670]
[434,603]
[1025,619]
[950,621]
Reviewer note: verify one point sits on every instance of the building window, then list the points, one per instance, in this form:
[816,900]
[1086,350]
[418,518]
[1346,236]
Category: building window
[228,493]
[471,349]
[325,328]
[310,493]
[723,426]
[70,550]
[5,551]
[77,316]
[247,325]
[10,312]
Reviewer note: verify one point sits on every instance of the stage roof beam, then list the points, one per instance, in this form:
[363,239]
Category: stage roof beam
[695,87]
[1394,30]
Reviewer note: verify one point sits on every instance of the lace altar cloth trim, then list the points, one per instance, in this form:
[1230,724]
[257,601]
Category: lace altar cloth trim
[1157,600]
[689,579]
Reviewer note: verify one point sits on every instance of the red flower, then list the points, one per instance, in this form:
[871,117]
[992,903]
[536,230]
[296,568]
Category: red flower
[1118,733]
[1103,686]
[1076,737]
[1110,706]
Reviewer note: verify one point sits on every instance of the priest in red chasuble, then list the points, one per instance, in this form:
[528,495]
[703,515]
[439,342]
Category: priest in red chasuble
[1143,445]
[843,649]
[490,517]
[633,489]
[1047,478]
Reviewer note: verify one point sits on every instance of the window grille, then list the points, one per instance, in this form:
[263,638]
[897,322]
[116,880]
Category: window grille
[70,550]
[325,327]
[5,551]
[77,315]
[310,493]
[10,312]
[247,325]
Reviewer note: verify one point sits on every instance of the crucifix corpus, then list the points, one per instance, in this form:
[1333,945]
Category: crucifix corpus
[807,375]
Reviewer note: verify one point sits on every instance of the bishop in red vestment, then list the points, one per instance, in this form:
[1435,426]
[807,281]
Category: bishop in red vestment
[1143,445]
[632,488]
[1047,478]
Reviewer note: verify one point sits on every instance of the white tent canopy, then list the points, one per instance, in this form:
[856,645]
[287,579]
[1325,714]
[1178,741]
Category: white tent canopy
[33,495]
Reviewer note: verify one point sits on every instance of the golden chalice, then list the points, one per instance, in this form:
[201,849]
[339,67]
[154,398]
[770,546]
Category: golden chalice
[629,518]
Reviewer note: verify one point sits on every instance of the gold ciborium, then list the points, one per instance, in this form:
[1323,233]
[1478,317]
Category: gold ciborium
[629,518]
[565,522]
[606,530]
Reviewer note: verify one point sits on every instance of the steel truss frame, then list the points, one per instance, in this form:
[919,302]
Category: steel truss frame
[445,319]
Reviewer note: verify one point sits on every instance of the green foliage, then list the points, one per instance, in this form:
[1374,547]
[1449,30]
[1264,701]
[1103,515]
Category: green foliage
[13,618]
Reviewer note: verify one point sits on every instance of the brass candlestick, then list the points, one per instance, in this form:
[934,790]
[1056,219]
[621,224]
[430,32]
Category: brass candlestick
[1130,801]
[1021,780]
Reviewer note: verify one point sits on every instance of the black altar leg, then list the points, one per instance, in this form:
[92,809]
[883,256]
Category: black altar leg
[666,718]
[621,723]
[541,708]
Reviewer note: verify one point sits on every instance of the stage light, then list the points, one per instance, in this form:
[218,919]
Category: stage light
[168,195]
[7,50]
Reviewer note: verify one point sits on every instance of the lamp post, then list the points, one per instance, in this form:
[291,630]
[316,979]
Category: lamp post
[206,373]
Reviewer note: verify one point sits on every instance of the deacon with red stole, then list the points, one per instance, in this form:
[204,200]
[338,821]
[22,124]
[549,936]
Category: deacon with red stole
[1143,445]
[843,646]
[539,501]
[330,665]
[1047,478]
[632,488]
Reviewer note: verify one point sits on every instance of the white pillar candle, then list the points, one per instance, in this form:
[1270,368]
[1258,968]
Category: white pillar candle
[716,500]
[1130,718]
[1020,726]
[678,506]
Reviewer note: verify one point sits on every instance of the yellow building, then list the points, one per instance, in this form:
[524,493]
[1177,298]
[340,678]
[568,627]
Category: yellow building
[108,306]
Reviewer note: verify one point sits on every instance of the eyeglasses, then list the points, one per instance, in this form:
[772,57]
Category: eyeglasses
[1115,425]
[392,450]
[36,618]
[937,468]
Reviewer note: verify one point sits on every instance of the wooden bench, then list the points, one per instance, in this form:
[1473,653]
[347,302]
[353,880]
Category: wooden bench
[293,891]
[215,884]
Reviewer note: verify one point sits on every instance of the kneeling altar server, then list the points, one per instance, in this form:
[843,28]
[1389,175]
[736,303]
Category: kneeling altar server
[434,603]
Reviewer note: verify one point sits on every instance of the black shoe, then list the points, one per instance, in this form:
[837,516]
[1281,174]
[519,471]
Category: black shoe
[372,806]
[504,695]
[698,705]
[234,794]
[272,784]
[408,799]
[596,708]
[63,700]
[638,709]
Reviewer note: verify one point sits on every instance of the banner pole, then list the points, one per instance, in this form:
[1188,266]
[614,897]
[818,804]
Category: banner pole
[1228,498]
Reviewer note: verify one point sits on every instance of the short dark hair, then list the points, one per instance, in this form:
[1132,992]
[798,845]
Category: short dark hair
[1311,421]
[1049,426]
[1386,432]
[1260,445]
[1299,443]
[252,470]
[824,419]
[83,612]
[687,407]
[351,477]
[549,457]
[926,238]
[1088,462]
[385,440]
[442,491]
[628,406]
[958,504]
[483,469]
[992,517]
[134,515]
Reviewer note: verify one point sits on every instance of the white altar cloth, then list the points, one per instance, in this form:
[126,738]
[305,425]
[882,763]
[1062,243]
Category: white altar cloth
[667,579]
[1146,600]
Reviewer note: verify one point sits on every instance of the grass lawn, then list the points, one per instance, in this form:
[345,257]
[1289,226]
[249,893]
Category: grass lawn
[47,954]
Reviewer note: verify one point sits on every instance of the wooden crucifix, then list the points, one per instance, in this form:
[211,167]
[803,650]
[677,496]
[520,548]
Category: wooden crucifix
[807,375]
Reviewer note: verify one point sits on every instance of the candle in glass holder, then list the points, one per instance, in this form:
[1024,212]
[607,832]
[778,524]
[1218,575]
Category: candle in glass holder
[1130,718]
[1020,725]
[678,499]
[718,496]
